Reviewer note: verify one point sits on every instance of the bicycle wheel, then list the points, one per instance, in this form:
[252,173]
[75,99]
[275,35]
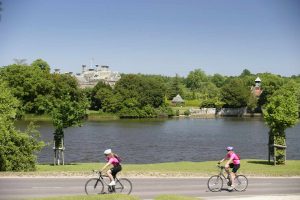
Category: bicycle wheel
[240,183]
[123,185]
[94,186]
[215,183]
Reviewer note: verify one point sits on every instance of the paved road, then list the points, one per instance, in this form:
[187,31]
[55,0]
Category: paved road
[146,188]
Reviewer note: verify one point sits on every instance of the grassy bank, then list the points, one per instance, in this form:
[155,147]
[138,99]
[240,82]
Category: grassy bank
[115,197]
[174,169]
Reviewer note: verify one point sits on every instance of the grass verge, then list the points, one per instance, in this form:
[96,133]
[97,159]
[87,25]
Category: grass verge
[91,197]
[115,197]
[172,169]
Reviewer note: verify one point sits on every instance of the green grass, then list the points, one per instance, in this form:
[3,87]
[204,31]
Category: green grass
[92,197]
[172,169]
[34,117]
[174,197]
[115,197]
[97,116]
[181,109]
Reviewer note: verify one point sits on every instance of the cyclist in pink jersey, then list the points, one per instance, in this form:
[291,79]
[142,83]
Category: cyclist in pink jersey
[114,160]
[233,161]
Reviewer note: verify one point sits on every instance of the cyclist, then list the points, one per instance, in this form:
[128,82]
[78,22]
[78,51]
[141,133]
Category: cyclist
[233,162]
[114,160]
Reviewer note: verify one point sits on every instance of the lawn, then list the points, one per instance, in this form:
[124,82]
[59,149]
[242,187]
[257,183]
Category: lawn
[115,197]
[172,169]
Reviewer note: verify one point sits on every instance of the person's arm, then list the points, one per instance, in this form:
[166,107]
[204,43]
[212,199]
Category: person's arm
[228,162]
[221,160]
[104,167]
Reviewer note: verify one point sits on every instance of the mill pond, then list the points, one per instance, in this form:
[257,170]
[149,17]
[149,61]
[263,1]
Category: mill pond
[165,140]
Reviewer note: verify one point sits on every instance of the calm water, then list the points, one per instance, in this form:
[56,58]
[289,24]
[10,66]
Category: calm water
[153,141]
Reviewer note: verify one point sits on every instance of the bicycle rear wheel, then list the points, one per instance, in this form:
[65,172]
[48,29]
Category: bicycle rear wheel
[123,185]
[240,183]
[94,186]
[215,183]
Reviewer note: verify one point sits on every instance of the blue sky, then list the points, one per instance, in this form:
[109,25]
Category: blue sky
[155,36]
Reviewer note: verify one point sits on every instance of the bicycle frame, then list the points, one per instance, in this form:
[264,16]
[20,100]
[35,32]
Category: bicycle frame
[102,177]
[221,174]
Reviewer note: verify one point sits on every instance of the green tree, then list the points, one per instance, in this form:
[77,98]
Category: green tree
[138,92]
[196,79]
[17,149]
[245,72]
[43,65]
[68,111]
[218,80]
[99,93]
[280,113]
[235,94]
[270,83]
[28,83]
[176,87]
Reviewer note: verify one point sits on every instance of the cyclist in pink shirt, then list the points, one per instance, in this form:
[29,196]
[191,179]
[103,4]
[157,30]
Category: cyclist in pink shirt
[233,162]
[115,161]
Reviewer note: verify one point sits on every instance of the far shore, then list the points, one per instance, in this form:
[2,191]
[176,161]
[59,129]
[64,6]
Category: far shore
[106,117]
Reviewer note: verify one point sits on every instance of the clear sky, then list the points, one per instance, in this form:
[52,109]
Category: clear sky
[154,36]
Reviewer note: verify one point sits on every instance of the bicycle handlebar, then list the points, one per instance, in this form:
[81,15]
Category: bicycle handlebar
[221,167]
[98,172]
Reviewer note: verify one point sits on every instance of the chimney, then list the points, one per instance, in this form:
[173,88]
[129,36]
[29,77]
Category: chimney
[83,68]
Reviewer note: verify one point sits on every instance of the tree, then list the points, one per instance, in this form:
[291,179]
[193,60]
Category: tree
[218,80]
[17,149]
[28,83]
[68,111]
[245,72]
[43,65]
[176,88]
[235,94]
[137,92]
[196,79]
[100,92]
[270,83]
[280,113]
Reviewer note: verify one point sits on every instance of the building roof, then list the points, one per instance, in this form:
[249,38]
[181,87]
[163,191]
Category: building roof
[177,99]
[257,79]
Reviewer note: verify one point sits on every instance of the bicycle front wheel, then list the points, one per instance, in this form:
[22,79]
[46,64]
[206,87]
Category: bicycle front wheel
[215,183]
[94,186]
[123,185]
[240,183]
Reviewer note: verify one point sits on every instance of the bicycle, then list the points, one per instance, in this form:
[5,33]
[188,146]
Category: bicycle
[97,185]
[215,182]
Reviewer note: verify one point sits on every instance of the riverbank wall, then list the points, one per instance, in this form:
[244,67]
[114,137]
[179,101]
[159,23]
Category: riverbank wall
[242,112]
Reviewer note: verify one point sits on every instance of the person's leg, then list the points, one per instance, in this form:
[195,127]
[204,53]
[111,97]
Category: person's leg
[109,174]
[233,174]
[232,177]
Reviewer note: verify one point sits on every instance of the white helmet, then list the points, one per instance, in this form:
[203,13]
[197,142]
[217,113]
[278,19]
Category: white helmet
[107,151]
[229,148]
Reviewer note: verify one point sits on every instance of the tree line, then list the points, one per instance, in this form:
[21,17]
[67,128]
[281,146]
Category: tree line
[137,95]
[33,89]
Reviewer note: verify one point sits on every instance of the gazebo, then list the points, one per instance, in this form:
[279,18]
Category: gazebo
[177,100]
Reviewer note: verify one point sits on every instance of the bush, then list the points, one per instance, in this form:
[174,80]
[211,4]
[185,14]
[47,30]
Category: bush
[17,149]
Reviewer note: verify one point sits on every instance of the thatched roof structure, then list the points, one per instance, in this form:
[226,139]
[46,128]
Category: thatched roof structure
[177,99]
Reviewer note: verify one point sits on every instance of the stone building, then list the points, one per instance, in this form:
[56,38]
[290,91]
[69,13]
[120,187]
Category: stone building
[89,77]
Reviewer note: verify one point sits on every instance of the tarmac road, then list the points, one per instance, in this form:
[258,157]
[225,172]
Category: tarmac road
[148,188]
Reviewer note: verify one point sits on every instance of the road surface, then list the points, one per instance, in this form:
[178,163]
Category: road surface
[146,188]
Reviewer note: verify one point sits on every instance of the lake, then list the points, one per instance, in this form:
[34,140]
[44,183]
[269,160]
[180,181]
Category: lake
[165,140]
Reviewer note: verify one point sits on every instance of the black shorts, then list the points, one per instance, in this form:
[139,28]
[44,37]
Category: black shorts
[234,167]
[115,170]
